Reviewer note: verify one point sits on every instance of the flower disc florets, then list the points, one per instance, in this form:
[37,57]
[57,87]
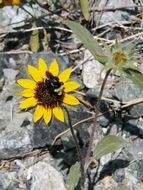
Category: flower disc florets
[50,92]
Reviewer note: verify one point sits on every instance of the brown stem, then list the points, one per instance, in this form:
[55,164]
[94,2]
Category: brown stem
[77,149]
[97,110]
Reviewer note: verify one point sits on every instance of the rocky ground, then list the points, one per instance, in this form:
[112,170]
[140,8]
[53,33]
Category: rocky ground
[27,160]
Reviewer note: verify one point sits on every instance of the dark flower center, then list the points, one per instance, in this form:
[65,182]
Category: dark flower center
[50,92]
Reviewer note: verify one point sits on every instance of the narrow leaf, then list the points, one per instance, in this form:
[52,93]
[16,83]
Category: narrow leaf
[135,76]
[108,145]
[84,4]
[87,39]
[34,39]
[73,176]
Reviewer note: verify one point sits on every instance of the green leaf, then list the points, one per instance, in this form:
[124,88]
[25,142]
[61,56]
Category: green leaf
[108,145]
[73,176]
[34,39]
[135,76]
[124,187]
[84,4]
[87,39]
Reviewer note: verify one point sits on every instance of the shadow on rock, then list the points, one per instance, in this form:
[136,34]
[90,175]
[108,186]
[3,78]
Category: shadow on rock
[109,168]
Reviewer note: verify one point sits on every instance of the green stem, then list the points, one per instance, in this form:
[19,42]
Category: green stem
[97,110]
[77,149]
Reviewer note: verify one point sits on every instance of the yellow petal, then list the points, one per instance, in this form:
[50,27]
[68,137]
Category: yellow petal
[54,68]
[47,115]
[27,83]
[11,2]
[70,86]
[58,112]
[64,76]
[71,100]
[16,2]
[39,111]
[27,93]
[34,73]
[29,102]
[42,67]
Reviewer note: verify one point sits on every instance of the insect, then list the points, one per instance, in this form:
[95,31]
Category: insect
[53,84]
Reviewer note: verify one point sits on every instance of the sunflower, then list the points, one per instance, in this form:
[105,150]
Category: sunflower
[48,90]
[10,2]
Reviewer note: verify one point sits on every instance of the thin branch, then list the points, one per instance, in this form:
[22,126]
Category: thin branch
[15,52]
[132,102]
[77,149]
[97,110]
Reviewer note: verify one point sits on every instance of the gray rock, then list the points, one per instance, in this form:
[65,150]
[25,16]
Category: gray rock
[117,15]
[10,119]
[8,181]
[19,120]
[137,110]
[68,141]
[136,149]
[134,127]
[139,170]
[44,176]
[5,113]
[126,91]
[94,92]
[24,173]
[91,71]
[15,143]
[119,175]
[12,17]
[131,181]
[10,75]
[107,116]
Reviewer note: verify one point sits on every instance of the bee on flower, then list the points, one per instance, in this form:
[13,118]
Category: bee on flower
[47,91]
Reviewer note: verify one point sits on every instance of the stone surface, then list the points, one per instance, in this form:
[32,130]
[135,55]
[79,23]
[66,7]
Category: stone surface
[44,177]
[139,170]
[91,71]
[10,75]
[31,173]
[137,110]
[117,15]
[15,143]
[14,17]
[126,91]
[8,181]
[119,175]
[136,150]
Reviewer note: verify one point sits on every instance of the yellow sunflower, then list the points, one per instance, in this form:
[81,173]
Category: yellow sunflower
[10,2]
[48,91]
